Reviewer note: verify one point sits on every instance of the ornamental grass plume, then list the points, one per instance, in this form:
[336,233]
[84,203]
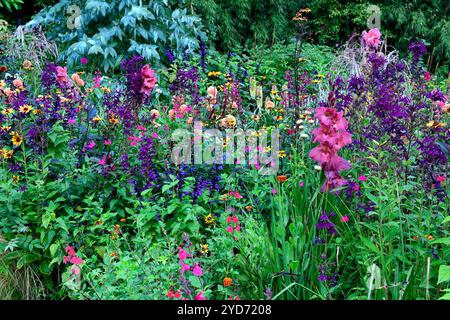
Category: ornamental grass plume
[332,135]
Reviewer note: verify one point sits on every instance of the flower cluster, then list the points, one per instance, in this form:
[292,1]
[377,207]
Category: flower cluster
[332,135]
[73,260]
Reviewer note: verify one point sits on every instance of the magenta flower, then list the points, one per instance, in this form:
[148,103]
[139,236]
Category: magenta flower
[97,79]
[71,121]
[107,142]
[274,191]
[90,145]
[200,296]
[197,271]
[344,218]
[182,255]
[230,229]
[102,161]
[362,178]
[84,60]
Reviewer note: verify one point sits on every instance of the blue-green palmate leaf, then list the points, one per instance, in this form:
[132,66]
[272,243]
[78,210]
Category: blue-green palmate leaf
[103,31]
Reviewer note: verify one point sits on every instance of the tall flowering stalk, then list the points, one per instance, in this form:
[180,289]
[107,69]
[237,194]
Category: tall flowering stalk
[332,136]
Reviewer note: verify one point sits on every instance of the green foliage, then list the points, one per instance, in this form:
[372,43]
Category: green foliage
[105,32]
[11,5]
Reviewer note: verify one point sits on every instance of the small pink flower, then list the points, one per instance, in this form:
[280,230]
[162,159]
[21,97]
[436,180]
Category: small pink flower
[427,76]
[71,121]
[235,219]
[237,195]
[141,128]
[155,135]
[197,271]
[107,142]
[200,296]
[238,228]
[229,219]
[76,270]
[344,218]
[301,184]
[440,179]
[230,229]
[356,187]
[90,145]
[184,267]
[274,191]
[84,60]
[362,178]
[97,81]
[102,161]
[290,132]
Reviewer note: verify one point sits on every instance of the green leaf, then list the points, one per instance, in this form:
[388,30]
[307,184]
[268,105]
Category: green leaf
[53,249]
[26,259]
[444,274]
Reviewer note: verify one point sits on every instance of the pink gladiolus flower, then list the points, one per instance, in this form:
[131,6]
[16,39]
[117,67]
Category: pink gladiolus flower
[61,76]
[344,218]
[332,135]
[149,79]
[200,296]
[197,271]
[372,38]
